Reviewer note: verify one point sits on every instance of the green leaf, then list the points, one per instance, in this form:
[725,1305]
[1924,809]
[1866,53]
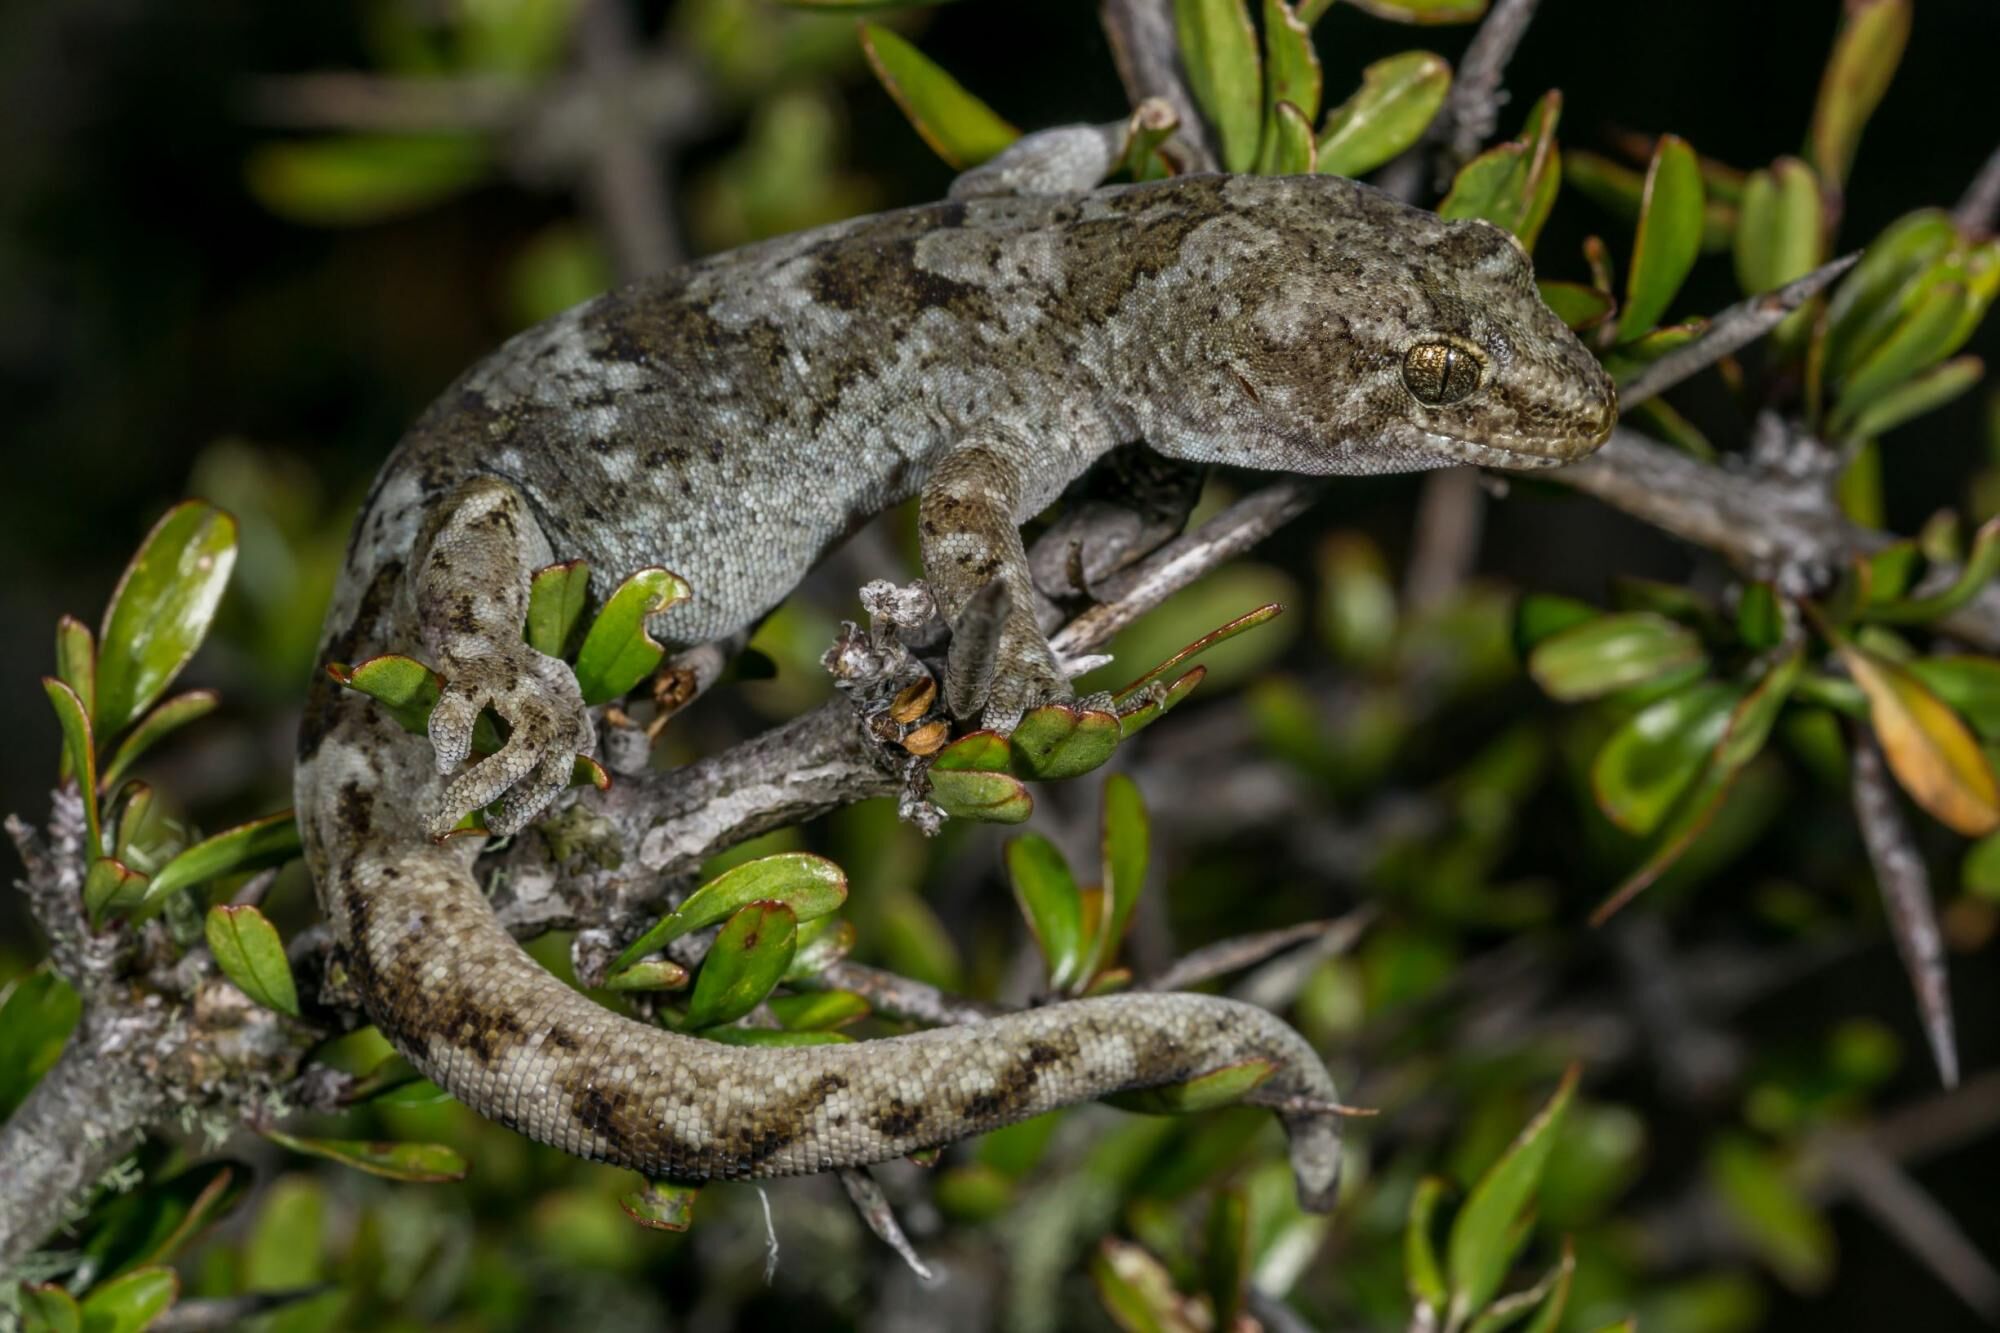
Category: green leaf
[1057,741]
[250,953]
[1219,1087]
[405,687]
[1930,752]
[1923,337]
[1669,238]
[1779,231]
[1914,397]
[656,974]
[1219,52]
[1288,143]
[47,1308]
[808,886]
[1481,1246]
[991,798]
[1229,1257]
[271,840]
[975,752]
[1748,731]
[76,660]
[1541,615]
[1291,76]
[1398,99]
[1865,54]
[361,179]
[1766,1209]
[1126,841]
[1421,1272]
[1971,685]
[111,888]
[1136,1289]
[1760,617]
[822,943]
[424,1163]
[1979,569]
[1048,896]
[663,1205]
[556,600]
[819,1011]
[959,128]
[155,727]
[1655,755]
[37,1013]
[1576,305]
[161,610]
[749,957]
[130,1303]
[1612,653]
[617,653]
[80,752]
[154,1223]
[1878,291]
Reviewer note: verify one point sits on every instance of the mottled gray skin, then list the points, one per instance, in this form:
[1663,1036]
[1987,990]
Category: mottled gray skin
[733,420]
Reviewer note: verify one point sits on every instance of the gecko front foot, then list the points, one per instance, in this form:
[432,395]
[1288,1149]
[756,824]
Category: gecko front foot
[548,726]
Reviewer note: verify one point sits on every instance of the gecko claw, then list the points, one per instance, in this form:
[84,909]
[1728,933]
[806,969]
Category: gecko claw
[547,727]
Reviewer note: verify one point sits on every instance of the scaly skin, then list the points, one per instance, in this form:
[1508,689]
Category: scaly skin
[733,420]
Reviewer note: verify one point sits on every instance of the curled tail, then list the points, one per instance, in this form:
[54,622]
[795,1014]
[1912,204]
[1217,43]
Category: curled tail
[455,993]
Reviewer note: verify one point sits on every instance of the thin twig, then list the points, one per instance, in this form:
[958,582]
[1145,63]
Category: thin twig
[1146,49]
[1906,894]
[873,1205]
[624,182]
[903,998]
[1472,109]
[1978,210]
[1735,328]
[1233,955]
[1913,1216]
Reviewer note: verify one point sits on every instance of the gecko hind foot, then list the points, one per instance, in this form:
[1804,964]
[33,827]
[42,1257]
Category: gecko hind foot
[548,725]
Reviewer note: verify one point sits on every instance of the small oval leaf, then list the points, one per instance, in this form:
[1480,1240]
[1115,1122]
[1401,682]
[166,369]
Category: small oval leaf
[155,727]
[959,128]
[1611,653]
[1933,756]
[1047,893]
[617,653]
[1481,1245]
[1669,237]
[809,886]
[557,596]
[749,957]
[161,609]
[1398,99]
[1219,53]
[250,953]
[269,841]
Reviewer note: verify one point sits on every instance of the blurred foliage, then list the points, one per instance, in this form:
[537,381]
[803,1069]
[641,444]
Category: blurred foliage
[1480,766]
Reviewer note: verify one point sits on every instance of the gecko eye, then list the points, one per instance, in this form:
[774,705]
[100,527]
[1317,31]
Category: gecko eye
[1441,373]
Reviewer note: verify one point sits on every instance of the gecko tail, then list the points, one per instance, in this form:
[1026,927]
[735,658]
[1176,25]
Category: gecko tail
[454,992]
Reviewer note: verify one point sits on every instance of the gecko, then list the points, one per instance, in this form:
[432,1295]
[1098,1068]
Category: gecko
[734,419]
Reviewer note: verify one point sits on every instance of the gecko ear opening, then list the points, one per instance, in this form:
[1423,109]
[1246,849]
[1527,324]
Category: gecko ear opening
[1439,372]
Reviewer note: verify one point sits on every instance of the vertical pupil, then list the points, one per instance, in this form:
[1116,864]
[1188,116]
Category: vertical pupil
[1450,362]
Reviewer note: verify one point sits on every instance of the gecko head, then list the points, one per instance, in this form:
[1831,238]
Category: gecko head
[1372,337]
